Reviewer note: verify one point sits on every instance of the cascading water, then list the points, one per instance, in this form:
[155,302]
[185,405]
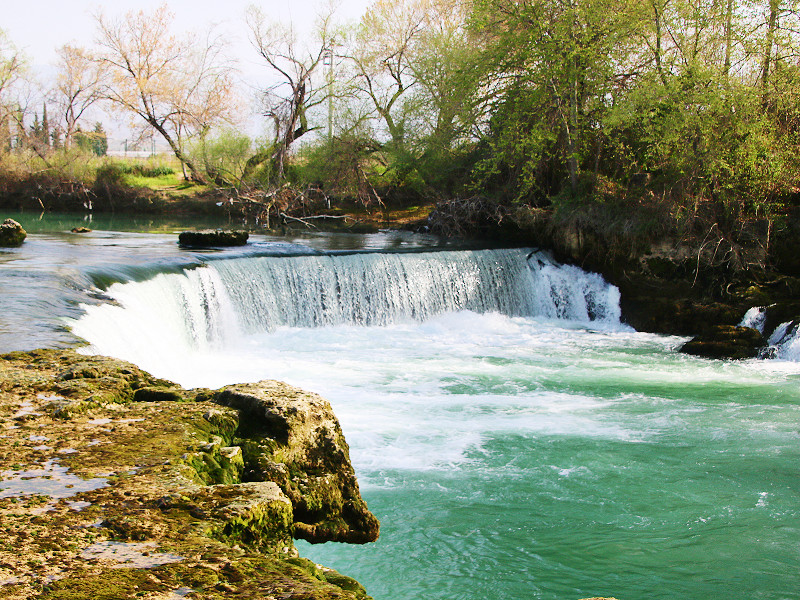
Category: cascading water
[154,320]
[755,318]
[783,343]
[212,306]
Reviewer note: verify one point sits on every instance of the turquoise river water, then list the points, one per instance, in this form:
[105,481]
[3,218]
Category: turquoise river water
[514,438]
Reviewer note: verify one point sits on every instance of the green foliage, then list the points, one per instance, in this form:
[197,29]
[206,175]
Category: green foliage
[344,168]
[698,139]
[588,93]
[117,173]
[95,141]
[223,156]
[116,170]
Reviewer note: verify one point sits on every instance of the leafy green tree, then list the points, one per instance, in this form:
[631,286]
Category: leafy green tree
[44,134]
[224,155]
[95,141]
[553,67]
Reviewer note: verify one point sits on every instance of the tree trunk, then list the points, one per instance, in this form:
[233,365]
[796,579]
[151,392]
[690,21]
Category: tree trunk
[659,68]
[772,25]
[196,176]
[728,38]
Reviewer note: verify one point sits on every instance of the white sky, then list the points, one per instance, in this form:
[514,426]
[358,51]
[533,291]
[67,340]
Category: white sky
[39,27]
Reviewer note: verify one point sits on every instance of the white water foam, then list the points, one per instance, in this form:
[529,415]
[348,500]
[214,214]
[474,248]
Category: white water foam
[157,319]
[419,348]
[784,342]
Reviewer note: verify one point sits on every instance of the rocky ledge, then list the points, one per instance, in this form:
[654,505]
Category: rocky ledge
[212,238]
[115,484]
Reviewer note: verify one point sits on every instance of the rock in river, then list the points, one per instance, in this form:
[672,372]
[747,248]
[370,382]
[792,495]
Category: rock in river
[11,234]
[726,341]
[212,238]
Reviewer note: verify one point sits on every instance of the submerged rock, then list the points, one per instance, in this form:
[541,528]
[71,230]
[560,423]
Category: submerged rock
[11,234]
[169,470]
[726,341]
[212,238]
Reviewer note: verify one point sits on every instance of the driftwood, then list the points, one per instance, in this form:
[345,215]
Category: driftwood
[281,205]
[463,217]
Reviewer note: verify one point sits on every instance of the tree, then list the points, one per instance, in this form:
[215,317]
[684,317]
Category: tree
[179,86]
[12,68]
[553,67]
[44,134]
[382,55]
[411,66]
[95,141]
[79,85]
[298,87]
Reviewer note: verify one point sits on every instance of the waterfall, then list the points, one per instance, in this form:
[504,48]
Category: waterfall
[755,318]
[784,343]
[379,289]
[203,308]
[170,313]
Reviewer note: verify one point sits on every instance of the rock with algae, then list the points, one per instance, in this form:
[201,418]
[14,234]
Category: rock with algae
[294,439]
[726,341]
[211,238]
[11,234]
[170,464]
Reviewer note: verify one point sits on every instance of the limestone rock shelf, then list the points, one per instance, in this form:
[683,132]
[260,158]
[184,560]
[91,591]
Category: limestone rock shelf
[115,484]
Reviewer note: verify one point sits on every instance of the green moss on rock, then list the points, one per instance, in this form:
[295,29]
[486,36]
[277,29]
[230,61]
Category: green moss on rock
[172,476]
[726,341]
[11,234]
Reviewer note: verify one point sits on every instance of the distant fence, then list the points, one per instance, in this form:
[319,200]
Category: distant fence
[126,148]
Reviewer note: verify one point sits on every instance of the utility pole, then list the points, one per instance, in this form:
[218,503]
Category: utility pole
[328,61]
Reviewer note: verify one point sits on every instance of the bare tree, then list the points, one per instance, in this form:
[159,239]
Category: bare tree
[298,86]
[12,67]
[382,55]
[179,86]
[79,85]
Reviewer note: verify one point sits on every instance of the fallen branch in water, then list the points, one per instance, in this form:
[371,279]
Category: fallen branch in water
[305,220]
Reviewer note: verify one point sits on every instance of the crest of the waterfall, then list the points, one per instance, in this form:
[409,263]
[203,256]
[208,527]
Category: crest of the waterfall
[569,293]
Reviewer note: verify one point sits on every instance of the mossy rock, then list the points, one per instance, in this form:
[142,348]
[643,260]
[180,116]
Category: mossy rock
[11,234]
[111,584]
[726,341]
[169,477]
[158,394]
[212,238]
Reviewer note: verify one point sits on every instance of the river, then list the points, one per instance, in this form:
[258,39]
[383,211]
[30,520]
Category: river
[514,438]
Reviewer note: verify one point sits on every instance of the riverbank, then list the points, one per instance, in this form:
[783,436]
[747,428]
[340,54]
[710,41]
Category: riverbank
[684,276]
[120,485]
